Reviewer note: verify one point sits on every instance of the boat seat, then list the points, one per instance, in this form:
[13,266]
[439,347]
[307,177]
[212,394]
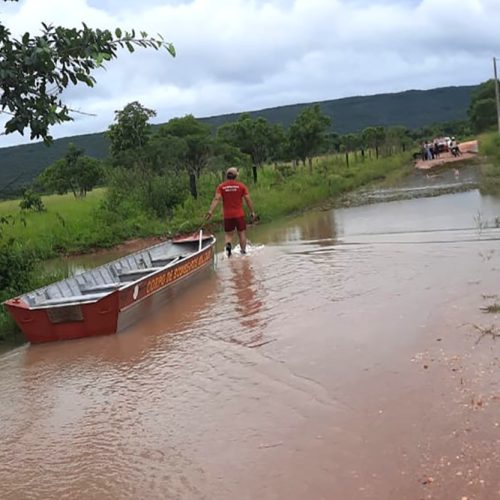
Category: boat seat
[71,299]
[166,261]
[104,287]
[139,272]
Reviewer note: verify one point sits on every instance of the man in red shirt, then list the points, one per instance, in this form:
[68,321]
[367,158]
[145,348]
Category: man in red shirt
[232,193]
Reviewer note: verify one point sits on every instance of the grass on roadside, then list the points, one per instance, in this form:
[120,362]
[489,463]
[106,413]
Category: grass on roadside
[490,171]
[285,190]
[492,308]
[69,225]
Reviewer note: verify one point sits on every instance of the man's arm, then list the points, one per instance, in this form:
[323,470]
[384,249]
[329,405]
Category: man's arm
[214,203]
[249,203]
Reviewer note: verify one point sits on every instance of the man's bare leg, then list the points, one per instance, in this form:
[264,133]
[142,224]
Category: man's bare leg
[242,235]
[228,238]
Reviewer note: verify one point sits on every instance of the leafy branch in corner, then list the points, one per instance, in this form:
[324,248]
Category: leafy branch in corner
[35,70]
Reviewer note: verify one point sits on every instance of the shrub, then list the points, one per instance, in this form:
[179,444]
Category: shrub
[16,269]
[31,201]
[19,273]
[152,193]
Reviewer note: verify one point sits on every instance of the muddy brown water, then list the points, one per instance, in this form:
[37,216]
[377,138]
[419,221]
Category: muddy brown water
[345,357]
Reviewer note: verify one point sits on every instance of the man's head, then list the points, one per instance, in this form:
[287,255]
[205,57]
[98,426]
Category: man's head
[231,173]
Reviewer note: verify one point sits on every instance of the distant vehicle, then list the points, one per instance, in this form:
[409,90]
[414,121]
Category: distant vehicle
[443,143]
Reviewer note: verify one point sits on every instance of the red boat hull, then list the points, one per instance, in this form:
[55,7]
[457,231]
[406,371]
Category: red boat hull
[66,323]
[102,317]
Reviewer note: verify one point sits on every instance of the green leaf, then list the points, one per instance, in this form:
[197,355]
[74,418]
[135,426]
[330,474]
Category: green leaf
[130,47]
[171,49]
[100,58]
[118,33]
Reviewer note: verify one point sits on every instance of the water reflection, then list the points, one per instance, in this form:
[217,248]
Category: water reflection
[249,295]
[314,225]
[161,321]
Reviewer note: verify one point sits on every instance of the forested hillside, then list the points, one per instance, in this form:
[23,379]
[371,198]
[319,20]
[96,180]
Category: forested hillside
[413,109]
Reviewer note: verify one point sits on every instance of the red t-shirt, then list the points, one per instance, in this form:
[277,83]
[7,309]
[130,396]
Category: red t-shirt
[232,193]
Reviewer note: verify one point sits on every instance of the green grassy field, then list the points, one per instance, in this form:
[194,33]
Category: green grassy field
[68,225]
[65,219]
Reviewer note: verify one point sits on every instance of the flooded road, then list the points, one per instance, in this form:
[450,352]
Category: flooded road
[346,357]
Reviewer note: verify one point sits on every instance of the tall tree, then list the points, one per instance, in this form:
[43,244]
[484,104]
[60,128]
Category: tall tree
[198,147]
[35,70]
[397,138]
[278,142]
[252,136]
[165,154]
[332,142]
[482,109]
[308,133]
[374,137]
[74,172]
[349,142]
[130,134]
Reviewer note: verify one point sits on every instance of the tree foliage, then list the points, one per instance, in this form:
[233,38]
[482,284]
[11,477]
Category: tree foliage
[350,142]
[165,154]
[226,155]
[253,137]
[131,190]
[35,70]
[16,268]
[31,201]
[482,110]
[198,145]
[75,172]
[397,138]
[308,132]
[278,148]
[373,137]
[130,134]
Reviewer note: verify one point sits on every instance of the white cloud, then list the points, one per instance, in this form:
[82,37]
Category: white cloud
[236,55]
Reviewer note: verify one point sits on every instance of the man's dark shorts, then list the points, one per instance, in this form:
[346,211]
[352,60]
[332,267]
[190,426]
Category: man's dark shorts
[234,223]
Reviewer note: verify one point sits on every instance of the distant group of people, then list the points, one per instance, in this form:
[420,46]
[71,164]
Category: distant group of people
[432,150]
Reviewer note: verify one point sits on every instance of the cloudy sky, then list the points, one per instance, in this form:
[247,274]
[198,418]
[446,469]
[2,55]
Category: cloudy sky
[241,55]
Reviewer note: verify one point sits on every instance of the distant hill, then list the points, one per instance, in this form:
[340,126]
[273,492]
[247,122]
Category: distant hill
[19,165]
[413,109]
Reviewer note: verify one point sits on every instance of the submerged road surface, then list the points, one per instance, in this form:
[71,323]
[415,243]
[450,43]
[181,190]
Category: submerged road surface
[346,357]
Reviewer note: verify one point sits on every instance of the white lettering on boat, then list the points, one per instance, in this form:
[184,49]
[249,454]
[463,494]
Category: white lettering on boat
[154,284]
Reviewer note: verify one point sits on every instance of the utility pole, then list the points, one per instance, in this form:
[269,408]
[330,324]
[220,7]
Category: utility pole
[497,92]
